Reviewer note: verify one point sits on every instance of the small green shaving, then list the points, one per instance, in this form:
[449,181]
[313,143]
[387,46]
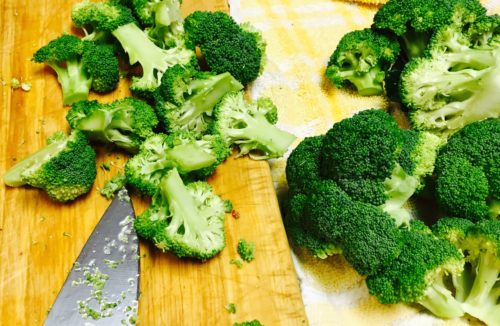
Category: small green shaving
[246,250]
[236,262]
[106,166]
[228,206]
[15,83]
[231,308]
[113,185]
[254,322]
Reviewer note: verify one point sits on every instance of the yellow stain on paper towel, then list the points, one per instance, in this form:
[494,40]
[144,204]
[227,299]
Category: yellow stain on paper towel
[301,36]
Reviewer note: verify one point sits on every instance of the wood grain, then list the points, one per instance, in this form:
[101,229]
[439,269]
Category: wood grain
[40,239]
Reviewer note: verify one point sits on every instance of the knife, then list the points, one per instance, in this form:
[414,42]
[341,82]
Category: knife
[103,285]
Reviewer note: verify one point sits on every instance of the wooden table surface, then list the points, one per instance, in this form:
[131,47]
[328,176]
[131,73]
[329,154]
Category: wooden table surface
[40,239]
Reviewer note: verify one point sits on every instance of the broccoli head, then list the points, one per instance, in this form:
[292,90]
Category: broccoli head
[468,174]
[118,20]
[250,125]
[187,220]
[65,168]
[246,250]
[361,59]
[80,66]
[414,21]
[160,153]
[457,82]
[188,97]
[225,45]
[418,275]
[125,123]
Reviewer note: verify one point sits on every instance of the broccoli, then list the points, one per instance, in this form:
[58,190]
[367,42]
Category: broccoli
[414,21]
[160,153]
[467,172]
[250,126]
[418,275]
[246,250]
[254,322]
[80,66]
[189,96]
[361,59]
[125,123]
[118,20]
[113,185]
[225,45]
[457,82]
[163,21]
[185,219]
[375,162]
[65,168]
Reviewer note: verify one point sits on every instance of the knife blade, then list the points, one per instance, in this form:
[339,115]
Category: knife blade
[102,288]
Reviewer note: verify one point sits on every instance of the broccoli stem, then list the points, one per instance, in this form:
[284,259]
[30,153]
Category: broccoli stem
[74,82]
[399,187]
[367,84]
[186,219]
[141,49]
[13,177]
[257,129]
[414,43]
[462,283]
[212,90]
[440,301]
[487,272]
[190,157]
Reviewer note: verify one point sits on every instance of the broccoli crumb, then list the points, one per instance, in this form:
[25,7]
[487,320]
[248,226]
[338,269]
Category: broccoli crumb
[113,185]
[15,83]
[246,250]
[26,87]
[231,308]
[66,234]
[105,166]
[228,206]
[254,322]
[237,262]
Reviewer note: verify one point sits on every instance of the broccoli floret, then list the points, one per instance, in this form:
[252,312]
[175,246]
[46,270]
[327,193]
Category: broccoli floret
[246,250]
[185,219]
[189,97]
[418,275]
[361,154]
[125,123]
[250,125]
[467,172]
[160,153]
[302,165]
[113,185]
[65,169]
[80,66]
[119,21]
[457,82]
[227,46]
[414,21]
[361,59]
[482,248]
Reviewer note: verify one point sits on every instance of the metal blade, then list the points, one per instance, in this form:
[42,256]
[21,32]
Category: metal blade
[103,285]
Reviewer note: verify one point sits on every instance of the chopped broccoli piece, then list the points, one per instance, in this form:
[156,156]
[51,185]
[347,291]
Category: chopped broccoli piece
[457,82]
[250,126]
[246,250]
[231,308]
[189,97]
[237,262]
[160,153]
[65,169]
[254,322]
[118,20]
[361,59]
[185,219]
[467,172]
[418,275]
[225,45]
[80,66]
[228,206]
[116,183]
[124,123]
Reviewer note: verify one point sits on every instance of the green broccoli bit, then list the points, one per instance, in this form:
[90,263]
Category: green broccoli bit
[225,45]
[124,123]
[237,262]
[189,97]
[254,322]
[228,206]
[65,169]
[361,59]
[113,185]
[246,124]
[231,308]
[246,250]
[80,66]
[185,219]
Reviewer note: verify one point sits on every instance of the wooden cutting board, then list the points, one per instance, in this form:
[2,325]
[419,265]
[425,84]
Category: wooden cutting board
[40,239]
